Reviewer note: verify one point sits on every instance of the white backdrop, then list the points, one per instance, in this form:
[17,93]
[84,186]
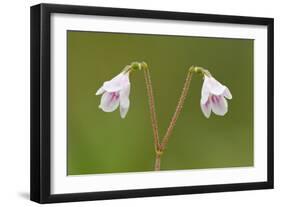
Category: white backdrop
[14,104]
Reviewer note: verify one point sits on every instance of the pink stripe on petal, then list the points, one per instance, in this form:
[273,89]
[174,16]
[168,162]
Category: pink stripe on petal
[213,98]
[220,107]
[114,97]
[206,108]
[109,101]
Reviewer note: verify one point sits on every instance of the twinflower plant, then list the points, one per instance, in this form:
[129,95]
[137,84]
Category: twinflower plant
[116,91]
[213,97]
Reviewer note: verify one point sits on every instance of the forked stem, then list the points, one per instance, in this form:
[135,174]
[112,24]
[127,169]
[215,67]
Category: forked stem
[160,147]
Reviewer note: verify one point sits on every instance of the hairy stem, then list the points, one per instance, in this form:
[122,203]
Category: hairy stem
[152,108]
[178,110]
[157,162]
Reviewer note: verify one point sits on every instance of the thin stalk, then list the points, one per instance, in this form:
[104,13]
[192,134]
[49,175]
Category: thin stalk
[178,110]
[157,161]
[152,107]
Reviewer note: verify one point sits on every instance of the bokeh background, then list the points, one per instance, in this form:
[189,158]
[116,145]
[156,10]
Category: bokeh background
[100,142]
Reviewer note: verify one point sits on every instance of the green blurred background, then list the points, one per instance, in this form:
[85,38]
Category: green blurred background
[100,142]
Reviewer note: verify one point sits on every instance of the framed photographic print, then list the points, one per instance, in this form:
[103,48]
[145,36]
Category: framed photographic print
[132,103]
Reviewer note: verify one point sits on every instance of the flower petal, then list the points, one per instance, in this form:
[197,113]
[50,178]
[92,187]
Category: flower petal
[100,91]
[205,91]
[219,105]
[124,101]
[117,83]
[206,108]
[124,96]
[123,112]
[215,87]
[227,93]
[109,101]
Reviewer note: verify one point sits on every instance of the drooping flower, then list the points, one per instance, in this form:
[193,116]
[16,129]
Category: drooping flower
[115,92]
[213,96]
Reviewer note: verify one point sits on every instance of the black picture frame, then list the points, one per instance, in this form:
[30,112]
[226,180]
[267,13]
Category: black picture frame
[40,184]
